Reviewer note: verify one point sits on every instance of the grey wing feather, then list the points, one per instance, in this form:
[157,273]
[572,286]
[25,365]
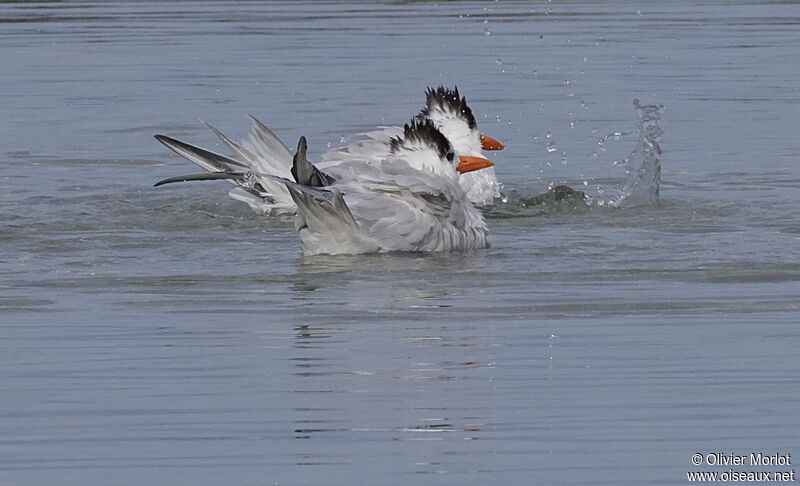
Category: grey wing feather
[260,193]
[206,159]
[269,137]
[243,152]
[272,156]
[205,176]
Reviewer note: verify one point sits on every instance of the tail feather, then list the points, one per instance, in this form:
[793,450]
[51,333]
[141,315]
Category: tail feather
[326,224]
[321,204]
[304,171]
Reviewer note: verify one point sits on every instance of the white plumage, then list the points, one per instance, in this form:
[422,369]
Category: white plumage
[264,154]
[409,200]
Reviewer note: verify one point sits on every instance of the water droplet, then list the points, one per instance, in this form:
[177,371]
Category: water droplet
[551,146]
[585,183]
[563,158]
[499,62]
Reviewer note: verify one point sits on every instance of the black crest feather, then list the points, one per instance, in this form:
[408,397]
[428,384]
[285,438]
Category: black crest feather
[448,100]
[425,132]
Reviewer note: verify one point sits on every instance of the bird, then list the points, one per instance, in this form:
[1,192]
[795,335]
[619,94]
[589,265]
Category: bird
[410,200]
[450,113]
[452,116]
[264,153]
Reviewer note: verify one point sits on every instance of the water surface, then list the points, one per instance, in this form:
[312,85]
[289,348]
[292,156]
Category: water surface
[172,336]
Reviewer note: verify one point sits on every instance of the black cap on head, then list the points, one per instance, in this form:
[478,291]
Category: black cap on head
[447,100]
[424,132]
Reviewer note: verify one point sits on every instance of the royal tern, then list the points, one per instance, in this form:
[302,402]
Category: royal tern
[452,116]
[263,153]
[410,200]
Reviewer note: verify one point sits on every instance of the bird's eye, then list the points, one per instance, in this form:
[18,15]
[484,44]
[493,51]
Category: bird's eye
[450,156]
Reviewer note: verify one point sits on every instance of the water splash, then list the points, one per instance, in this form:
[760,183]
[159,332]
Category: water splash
[643,165]
[551,144]
[641,185]
[556,200]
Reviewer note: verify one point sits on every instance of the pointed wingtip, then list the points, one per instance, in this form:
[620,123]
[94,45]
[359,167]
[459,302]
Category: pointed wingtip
[255,120]
[205,176]
[209,125]
[215,130]
[302,147]
[168,180]
[165,140]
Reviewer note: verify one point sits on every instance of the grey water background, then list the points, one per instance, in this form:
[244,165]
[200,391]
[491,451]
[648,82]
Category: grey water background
[172,336]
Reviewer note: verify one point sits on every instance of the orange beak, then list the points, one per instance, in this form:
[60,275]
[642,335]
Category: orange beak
[488,143]
[468,163]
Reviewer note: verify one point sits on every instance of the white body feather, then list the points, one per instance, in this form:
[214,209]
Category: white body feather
[264,155]
[267,154]
[387,205]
